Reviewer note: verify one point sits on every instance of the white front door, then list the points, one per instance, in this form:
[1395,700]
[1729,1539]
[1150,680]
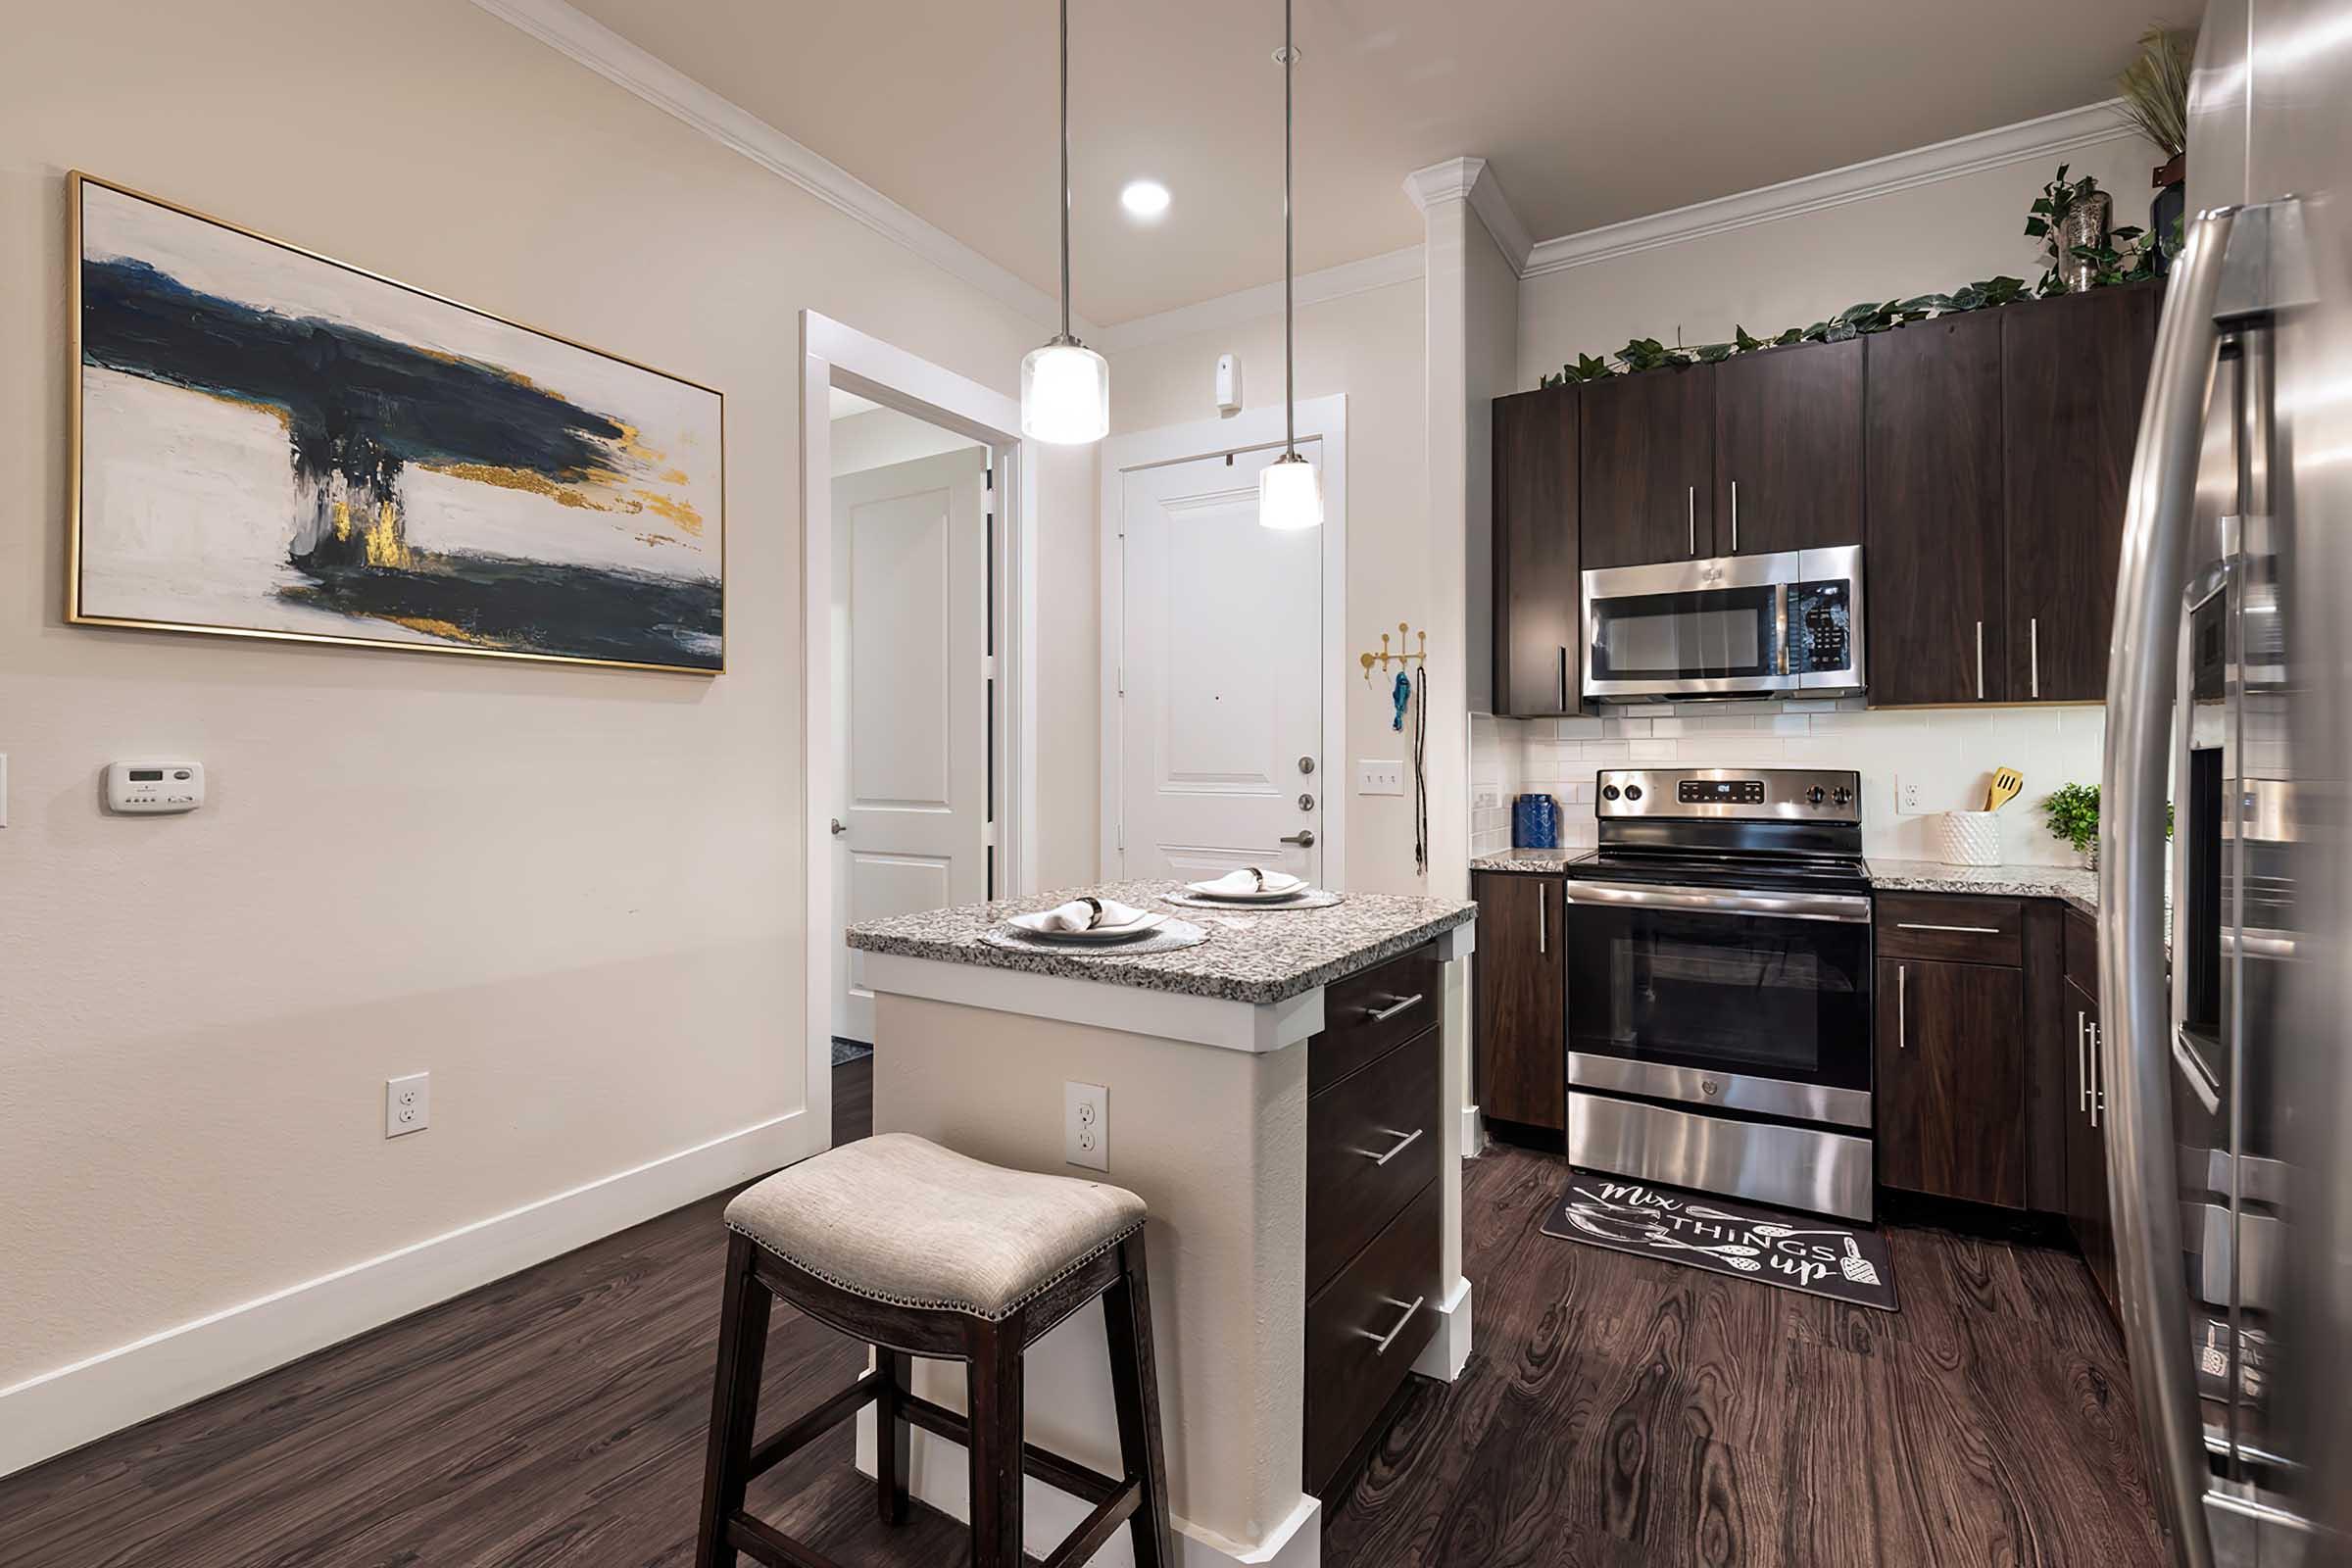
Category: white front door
[1221,744]
[910,714]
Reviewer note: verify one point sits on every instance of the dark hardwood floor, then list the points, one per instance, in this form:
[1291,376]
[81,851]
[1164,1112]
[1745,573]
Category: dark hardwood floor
[1617,1411]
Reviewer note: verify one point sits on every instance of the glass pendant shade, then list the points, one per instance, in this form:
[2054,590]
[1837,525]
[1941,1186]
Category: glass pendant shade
[1290,494]
[1065,394]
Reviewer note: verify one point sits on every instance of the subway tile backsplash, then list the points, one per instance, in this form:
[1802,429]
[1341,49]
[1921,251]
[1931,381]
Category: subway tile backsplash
[1947,752]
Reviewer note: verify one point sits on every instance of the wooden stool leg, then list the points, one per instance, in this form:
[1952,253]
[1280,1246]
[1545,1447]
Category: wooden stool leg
[993,1384]
[892,1454]
[734,1404]
[1135,1389]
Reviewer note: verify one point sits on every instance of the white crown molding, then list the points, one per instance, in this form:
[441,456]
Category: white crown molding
[1472,180]
[1264,300]
[2065,132]
[572,32]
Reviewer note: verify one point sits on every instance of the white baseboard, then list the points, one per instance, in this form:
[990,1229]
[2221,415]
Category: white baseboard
[1474,1133]
[939,1474]
[1448,1349]
[63,1410]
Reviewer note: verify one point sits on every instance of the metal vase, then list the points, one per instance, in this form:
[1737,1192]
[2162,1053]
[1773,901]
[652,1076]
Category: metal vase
[2082,225]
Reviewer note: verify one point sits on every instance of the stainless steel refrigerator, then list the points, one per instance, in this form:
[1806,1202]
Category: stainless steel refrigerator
[2226,966]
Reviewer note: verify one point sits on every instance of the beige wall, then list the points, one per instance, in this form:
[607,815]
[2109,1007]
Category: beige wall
[880,437]
[1368,346]
[1797,270]
[574,895]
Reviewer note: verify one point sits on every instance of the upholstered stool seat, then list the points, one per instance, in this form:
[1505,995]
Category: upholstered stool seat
[898,1219]
[919,1251]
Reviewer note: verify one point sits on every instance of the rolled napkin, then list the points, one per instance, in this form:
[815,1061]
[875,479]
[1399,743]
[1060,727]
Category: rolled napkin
[1250,879]
[1086,914]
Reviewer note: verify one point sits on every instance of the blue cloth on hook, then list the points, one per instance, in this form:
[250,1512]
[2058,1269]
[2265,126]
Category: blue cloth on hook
[1405,695]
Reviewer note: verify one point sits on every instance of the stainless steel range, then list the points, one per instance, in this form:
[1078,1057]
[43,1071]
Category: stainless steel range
[1719,962]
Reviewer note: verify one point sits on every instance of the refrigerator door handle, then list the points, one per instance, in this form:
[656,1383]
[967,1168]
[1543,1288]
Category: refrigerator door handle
[2134,1001]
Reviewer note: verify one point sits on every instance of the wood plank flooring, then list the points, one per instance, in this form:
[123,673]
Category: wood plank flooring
[1617,1411]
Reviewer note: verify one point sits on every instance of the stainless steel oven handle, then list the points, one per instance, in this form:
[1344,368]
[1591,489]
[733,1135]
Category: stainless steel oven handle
[1720,900]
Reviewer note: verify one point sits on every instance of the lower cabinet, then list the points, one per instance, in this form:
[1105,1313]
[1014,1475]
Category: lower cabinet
[1374,1229]
[1950,1098]
[1521,975]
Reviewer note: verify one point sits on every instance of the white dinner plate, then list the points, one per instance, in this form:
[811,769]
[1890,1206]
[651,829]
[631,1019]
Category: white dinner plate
[1143,926]
[1206,890]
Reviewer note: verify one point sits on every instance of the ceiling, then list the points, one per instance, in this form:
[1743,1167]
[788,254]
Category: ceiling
[1588,112]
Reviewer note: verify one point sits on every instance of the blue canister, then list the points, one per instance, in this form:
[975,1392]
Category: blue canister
[1535,823]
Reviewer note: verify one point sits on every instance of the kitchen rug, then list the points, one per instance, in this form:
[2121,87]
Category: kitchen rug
[1794,1252]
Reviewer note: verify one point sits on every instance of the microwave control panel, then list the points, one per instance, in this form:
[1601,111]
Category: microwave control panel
[1821,627]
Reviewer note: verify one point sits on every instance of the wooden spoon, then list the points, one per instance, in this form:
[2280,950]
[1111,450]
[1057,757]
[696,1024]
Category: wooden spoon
[2006,782]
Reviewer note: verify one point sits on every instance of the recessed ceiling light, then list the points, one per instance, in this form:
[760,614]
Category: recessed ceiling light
[1144,198]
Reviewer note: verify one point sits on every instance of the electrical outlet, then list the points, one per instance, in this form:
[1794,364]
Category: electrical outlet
[1376,777]
[408,1103]
[1909,798]
[1086,1125]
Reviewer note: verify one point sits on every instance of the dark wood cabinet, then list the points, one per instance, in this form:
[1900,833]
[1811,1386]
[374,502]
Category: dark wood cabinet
[1934,560]
[1648,488]
[1788,449]
[1535,545]
[1522,1000]
[2074,372]
[1951,1099]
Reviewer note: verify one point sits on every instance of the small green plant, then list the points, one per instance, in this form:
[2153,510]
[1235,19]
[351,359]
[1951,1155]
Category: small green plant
[2074,813]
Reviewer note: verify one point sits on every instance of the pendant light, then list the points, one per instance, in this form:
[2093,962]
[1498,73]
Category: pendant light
[1065,386]
[1290,494]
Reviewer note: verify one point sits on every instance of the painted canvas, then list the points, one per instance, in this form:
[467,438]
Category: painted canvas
[275,444]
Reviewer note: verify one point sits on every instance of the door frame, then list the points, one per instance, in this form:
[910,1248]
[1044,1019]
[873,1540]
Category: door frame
[1324,418]
[834,355]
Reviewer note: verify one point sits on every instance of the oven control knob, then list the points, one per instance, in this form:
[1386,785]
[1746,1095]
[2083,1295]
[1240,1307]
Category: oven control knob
[1608,792]
[1816,795]
[1842,796]
[1633,792]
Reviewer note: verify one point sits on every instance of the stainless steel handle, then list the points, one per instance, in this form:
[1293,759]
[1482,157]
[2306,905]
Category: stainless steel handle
[1780,622]
[1304,838]
[1902,1007]
[1404,1141]
[1543,921]
[1734,516]
[2098,1078]
[1712,900]
[837,829]
[1563,680]
[2141,1181]
[1980,661]
[1384,1014]
[2082,1066]
[1691,516]
[2034,655]
[1972,930]
[1381,1341]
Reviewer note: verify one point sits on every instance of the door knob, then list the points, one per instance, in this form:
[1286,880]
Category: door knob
[1305,839]
[837,829]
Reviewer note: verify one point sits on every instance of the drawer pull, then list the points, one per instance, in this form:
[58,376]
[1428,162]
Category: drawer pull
[1384,1014]
[1381,1341]
[1404,1141]
[1972,930]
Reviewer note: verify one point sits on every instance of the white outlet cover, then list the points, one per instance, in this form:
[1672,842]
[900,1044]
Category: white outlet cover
[408,1104]
[1376,776]
[1086,1125]
[1908,797]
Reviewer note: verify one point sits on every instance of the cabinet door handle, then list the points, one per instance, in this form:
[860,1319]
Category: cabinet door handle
[1381,1341]
[1563,680]
[2033,657]
[1384,1014]
[1691,518]
[1735,518]
[1543,923]
[1902,1007]
[1980,661]
[2099,1076]
[1972,930]
[1404,1141]
[2081,1067]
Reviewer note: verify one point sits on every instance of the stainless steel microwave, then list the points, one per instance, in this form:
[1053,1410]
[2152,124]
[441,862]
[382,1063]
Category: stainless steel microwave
[1740,626]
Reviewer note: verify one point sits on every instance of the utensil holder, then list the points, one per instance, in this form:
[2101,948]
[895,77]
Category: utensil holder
[1969,838]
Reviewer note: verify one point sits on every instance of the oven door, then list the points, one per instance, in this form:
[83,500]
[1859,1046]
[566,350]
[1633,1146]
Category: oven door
[1744,1000]
[1691,628]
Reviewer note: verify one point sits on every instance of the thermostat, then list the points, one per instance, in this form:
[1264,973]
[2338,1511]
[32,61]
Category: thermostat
[145,789]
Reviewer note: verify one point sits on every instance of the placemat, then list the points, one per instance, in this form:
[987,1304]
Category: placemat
[1173,937]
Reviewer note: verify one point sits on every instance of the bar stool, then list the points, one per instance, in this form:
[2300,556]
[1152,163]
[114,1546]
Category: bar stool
[919,1251]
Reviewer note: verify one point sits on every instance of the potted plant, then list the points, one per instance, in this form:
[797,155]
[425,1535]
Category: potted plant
[2154,94]
[2070,218]
[2074,813]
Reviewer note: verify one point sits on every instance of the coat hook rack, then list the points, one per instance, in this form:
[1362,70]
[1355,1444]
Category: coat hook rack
[1384,659]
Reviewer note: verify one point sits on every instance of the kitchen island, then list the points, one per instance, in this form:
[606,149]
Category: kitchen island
[1285,1096]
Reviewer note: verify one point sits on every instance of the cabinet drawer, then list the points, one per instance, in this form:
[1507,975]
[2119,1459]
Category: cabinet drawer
[1950,927]
[1363,1331]
[1371,1013]
[2083,952]
[1371,1143]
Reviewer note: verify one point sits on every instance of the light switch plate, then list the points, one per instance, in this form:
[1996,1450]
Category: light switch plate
[1086,1125]
[1374,776]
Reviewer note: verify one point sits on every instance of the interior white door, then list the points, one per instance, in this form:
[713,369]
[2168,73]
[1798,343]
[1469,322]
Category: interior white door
[911,724]
[1220,661]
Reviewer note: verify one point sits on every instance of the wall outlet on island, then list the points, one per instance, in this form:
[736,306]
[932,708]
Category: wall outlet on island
[408,1103]
[1909,797]
[1086,1125]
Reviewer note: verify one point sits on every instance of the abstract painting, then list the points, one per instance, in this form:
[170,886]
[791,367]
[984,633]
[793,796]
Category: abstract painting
[274,444]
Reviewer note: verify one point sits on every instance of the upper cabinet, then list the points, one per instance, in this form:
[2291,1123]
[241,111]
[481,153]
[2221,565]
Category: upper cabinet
[1648,487]
[1788,449]
[2074,372]
[1535,544]
[1934,562]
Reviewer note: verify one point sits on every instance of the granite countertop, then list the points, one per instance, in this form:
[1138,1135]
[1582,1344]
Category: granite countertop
[1536,861]
[1252,955]
[2069,884]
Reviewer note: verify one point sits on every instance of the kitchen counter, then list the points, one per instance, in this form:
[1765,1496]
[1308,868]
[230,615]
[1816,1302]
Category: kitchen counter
[1252,955]
[2069,884]
[1536,862]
